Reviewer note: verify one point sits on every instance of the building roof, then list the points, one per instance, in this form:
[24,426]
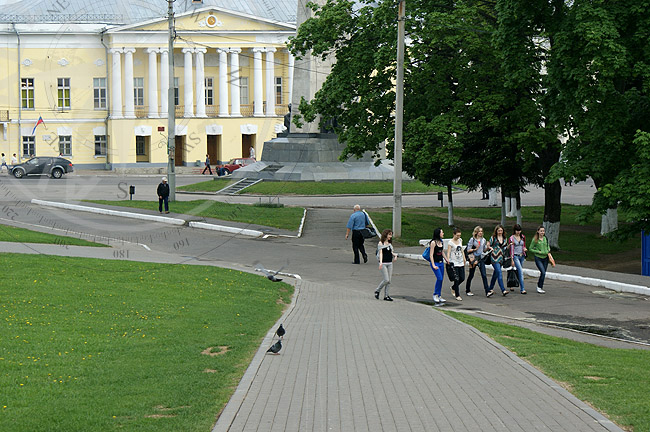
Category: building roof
[124,12]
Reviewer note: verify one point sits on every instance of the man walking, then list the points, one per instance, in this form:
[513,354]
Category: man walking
[163,195]
[356,223]
[207,165]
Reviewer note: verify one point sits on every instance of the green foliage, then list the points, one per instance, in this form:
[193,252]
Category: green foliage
[104,345]
[614,381]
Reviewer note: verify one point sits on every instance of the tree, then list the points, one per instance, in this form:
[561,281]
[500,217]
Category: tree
[601,86]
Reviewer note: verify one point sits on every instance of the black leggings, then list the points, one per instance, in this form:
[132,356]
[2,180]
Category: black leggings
[481,267]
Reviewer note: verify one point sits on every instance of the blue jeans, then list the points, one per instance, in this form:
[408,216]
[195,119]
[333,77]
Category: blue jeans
[497,276]
[440,274]
[481,269]
[519,263]
[542,265]
[160,204]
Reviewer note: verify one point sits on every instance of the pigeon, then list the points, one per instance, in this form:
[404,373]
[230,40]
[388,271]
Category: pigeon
[281,331]
[270,276]
[275,348]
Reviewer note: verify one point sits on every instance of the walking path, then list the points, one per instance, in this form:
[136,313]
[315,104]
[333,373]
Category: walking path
[353,363]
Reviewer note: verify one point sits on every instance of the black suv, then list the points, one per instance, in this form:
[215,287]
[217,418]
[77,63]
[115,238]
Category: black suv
[52,166]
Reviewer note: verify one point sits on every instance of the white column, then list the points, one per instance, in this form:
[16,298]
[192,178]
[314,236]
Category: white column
[223,82]
[153,82]
[200,82]
[270,82]
[234,82]
[129,97]
[187,83]
[292,62]
[164,82]
[116,83]
[257,82]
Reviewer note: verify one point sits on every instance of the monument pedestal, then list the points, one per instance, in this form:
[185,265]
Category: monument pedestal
[312,157]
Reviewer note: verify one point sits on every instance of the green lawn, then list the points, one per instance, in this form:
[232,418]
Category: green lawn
[280,217]
[94,345]
[315,188]
[21,235]
[579,243]
[615,381]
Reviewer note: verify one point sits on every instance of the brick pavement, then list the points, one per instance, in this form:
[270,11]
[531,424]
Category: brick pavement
[353,363]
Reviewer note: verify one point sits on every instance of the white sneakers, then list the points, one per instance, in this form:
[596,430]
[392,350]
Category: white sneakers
[438,299]
[541,291]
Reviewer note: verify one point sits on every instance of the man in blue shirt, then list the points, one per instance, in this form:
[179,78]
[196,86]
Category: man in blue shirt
[356,223]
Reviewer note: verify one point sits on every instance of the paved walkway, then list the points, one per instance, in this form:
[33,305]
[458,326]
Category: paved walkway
[353,363]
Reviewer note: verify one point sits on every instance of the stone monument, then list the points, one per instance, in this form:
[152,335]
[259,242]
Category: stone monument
[309,153]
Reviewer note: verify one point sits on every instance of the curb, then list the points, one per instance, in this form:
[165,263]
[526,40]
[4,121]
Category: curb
[223,228]
[611,285]
[162,219]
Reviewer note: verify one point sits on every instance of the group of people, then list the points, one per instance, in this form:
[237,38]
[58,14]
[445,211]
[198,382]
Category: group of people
[500,251]
[14,161]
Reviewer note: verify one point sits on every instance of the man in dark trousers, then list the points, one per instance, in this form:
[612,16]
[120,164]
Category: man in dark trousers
[207,165]
[356,223]
[163,195]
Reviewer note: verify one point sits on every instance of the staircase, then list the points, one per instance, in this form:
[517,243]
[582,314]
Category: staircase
[238,187]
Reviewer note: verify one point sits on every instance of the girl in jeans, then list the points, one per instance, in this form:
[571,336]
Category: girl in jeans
[437,264]
[456,257]
[475,249]
[542,251]
[518,254]
[386,257]
[497,246]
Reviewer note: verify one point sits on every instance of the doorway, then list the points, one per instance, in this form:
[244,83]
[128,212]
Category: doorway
[214,149]
[247,141]
[178,153]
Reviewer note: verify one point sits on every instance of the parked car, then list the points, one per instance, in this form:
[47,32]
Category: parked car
[234,164]
[52,166]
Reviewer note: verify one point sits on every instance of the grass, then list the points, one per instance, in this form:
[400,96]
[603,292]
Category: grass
[579,244]
[279,217]
[94,345]
[21,235]
[615,381]
[315,188]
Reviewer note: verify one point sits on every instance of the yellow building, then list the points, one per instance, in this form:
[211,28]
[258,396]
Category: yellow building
[100,81]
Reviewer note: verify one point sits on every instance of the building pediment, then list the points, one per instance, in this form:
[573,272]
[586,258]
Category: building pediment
[208,20]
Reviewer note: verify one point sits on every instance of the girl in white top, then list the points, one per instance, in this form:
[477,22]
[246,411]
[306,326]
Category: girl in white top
[456,258]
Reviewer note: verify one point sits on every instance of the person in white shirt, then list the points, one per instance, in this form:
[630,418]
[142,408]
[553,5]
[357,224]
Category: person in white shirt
[456,258]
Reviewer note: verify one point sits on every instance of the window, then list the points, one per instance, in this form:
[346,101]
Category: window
[278,90]
[209,92]
[63,85]
[176,91]
[100,145]
[99,92]
[27,92]
[140,146]
[138,92]
[243,90]
[29,146]
[65,145]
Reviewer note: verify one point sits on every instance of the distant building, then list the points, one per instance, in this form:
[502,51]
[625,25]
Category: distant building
[96,72]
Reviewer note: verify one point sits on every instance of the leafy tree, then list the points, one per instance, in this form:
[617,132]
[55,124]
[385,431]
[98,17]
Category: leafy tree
[601,87]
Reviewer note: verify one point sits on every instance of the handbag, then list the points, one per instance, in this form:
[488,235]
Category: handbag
[486,257]
[513,279]
[427,254]
[451,273]
[368,232]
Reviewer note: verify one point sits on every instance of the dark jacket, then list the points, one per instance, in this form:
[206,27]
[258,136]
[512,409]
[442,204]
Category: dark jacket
[163,190]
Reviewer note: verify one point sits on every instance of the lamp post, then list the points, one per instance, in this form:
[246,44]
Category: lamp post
[171,109]
[399,123]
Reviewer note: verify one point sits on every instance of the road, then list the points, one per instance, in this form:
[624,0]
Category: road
[322,254]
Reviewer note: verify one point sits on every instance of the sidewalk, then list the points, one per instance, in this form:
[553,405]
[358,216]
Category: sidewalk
[353,363]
